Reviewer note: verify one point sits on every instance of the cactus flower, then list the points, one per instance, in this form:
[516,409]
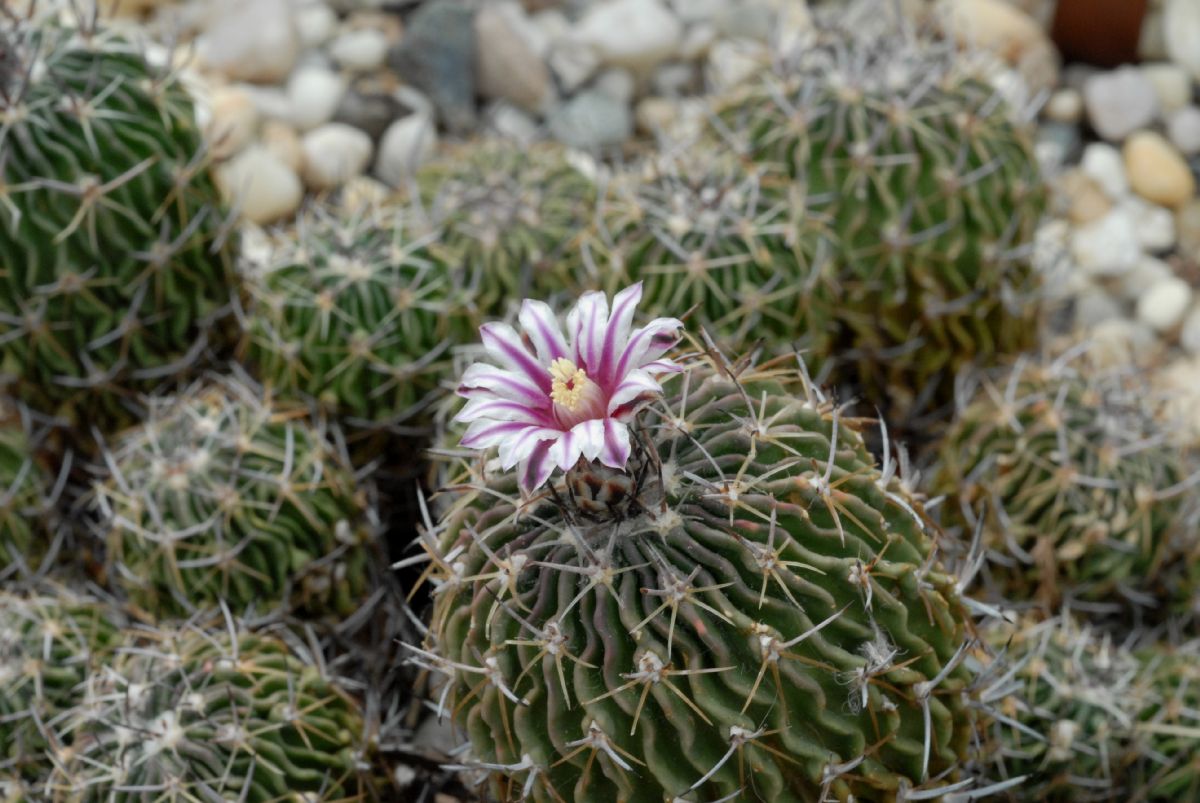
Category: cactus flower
[556,399]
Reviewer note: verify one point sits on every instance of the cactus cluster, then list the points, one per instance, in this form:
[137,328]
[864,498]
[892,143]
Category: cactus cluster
[931,189]
[191,714]
[1080,492]
[223,497]
[1085,716]
[751,610]
[114,259]
[26,504]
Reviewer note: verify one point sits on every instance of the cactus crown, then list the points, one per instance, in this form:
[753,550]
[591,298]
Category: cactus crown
[748,609]
[221,496]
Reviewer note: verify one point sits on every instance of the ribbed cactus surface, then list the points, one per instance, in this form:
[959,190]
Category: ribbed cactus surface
[49,645]
[1082,494]
[354,311]
[751,610]
[113,261]
[932,191]
[213,716]
[25,492]
[221,496]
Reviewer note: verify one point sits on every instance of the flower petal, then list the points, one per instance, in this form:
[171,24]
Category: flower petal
[485,380]
[635,387]
[616,334]
[541,327]
[565,453]
[536,468]
[503,343]
[586,323]
[520,445]
[648,344]
[486,434]
[615,453]
[499,410]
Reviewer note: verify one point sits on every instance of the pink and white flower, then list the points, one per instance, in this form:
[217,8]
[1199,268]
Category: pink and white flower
[558,399]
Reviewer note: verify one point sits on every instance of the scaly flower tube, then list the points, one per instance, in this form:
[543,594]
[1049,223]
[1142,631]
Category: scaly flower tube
[558,399]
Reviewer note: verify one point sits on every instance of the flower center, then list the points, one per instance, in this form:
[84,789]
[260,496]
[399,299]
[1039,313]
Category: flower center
[570,384]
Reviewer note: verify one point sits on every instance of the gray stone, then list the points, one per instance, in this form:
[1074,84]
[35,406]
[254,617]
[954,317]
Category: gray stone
[1120,102]
[370,110]
[591,120]
[406,145]
[437,55]
[508,65]
[1183,127]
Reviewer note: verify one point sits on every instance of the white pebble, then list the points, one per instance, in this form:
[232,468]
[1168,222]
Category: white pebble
[251,40]
[1119,102]
[316,22]
[313,96]
[333,154]
[1104,164]
[407,144]
[1172,85]
[1148,271]
[362,50]
[1065,106]
[1163,305]
[1189,334]
[1108,246]
[261,187]
[637,34]
[1183,127]
[1154,224]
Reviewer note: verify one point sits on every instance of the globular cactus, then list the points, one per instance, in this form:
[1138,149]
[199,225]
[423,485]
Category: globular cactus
[730,242]
[1083,716]
[113,261]
[510,220]
[354,311]
[749,610]
[49,644]
[932,190]
[1080,493]
[27,497]
[193,715]
[221,496]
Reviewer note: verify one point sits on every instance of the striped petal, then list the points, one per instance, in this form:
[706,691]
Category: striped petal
[488,381]
[615,453]
[499,410]
[586,323]
[541,327]
[648,343]
[486,434]
[536,468]
[635,387]
[505,345]
[520,445]
[616,334]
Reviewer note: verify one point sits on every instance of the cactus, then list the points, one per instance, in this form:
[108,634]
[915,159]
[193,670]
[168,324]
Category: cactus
[932,192]
[26,505]
[1081,493]
[513,218]
[222,496]
[355,313]
[1084,717]
[113,261]
[732,241]
[196,715]
[48,646]
[749,610]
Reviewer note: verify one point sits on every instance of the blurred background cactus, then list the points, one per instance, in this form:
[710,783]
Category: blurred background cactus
[114,249]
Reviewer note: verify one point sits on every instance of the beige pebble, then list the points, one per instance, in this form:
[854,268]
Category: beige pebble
[282,141]
[233,123]
[1156,170]
[1086,200]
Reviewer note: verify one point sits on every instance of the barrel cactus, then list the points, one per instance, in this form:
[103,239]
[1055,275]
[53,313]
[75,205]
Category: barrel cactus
[221,496]
[49,644]
[932,190]
[194,715]
[1081,493]
[115,260]
[512,218]
[732,242]
[1087,717]
[721,598]
[353,311]
[26,502]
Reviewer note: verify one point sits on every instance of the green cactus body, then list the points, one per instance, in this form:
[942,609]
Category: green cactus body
[932,192]
[1085,718]
[1082,494]
[220,496]
[736,617]
[24,487]
[111,243]
[48,646]
[200,716]
[732,242]
[512,219]
[356,313]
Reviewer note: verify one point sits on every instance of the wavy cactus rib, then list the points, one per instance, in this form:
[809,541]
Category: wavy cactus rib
[1082,494]
[730,241]
[223,497]
[111,230]
[752,611]
[194,715]
[356,313]
[48,647]
[1085,717]
[932,190]
[511,218]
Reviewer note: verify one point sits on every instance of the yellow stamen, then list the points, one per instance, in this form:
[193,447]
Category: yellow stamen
[569,385]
